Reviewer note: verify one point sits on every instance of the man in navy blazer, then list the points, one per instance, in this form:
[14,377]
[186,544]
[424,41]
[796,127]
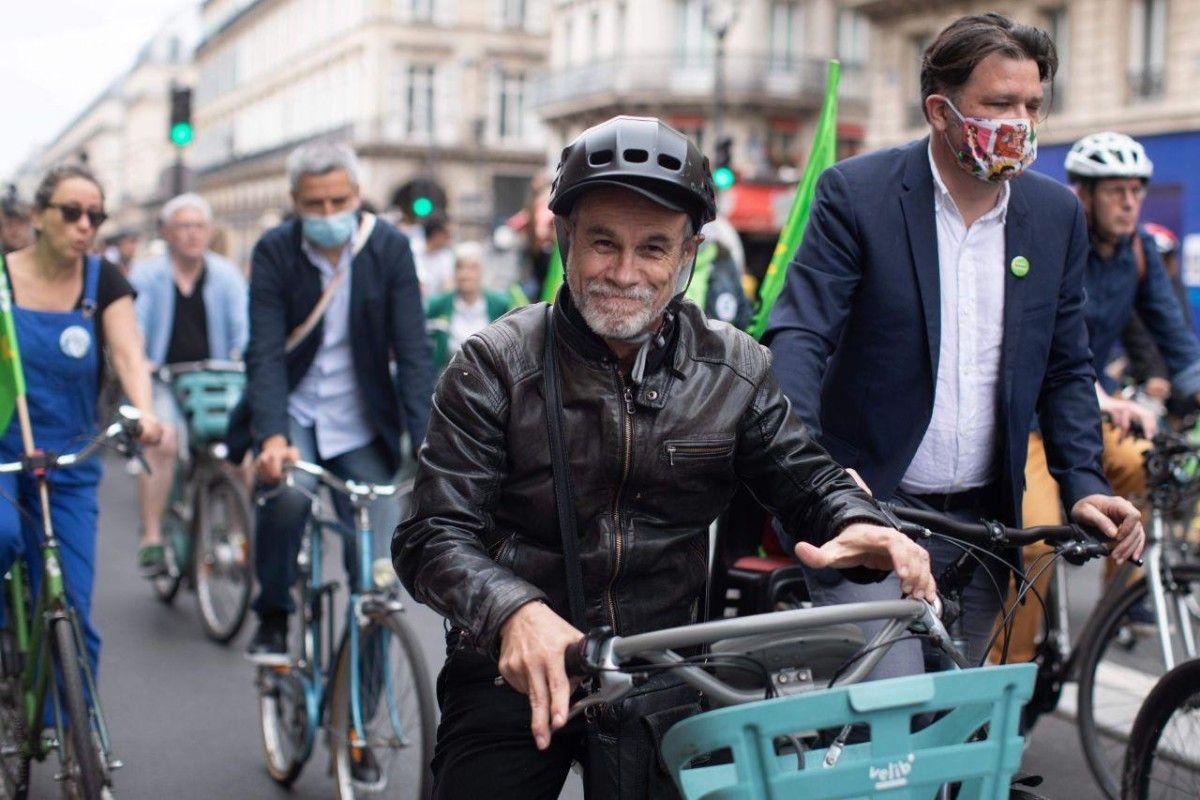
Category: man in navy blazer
[935,306]
[334,304]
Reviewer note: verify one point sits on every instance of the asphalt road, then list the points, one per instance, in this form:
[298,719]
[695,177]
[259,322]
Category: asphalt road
[183,711]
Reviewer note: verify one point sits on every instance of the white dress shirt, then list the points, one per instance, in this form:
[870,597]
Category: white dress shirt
[328,398]
[467,320]
[959,448]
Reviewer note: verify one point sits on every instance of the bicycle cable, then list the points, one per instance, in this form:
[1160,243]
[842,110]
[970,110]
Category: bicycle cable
[1050,558]
[840,671]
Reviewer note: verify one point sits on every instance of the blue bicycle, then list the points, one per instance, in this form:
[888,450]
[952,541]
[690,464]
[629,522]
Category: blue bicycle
[368,687]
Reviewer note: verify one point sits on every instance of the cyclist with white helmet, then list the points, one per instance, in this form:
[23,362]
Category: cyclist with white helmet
[1124,275]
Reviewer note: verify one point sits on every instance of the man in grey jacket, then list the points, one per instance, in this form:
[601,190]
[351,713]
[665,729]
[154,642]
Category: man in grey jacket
[191,306]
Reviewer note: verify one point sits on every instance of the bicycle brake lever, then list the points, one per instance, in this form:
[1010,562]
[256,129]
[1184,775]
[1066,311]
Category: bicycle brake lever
[613,686]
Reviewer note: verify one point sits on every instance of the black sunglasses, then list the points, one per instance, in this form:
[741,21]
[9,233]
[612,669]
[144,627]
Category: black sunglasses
[72,213]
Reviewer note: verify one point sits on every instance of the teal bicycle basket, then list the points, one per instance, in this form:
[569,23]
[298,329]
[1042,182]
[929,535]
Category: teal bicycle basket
[206,399]
[894,763]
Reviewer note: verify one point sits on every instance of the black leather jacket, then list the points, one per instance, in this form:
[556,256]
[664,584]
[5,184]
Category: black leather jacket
[651,467]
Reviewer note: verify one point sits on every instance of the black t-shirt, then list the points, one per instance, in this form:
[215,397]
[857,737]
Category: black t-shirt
[189,329]
[111,286]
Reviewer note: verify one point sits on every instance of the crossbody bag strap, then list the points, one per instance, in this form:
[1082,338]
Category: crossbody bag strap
[301,331]
[563,497]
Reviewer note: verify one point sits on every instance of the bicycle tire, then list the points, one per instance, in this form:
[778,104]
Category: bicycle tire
[1103,751]
[283,722]
[82,762]
[175,536]
[397,777]
[1178,689]
[221,560]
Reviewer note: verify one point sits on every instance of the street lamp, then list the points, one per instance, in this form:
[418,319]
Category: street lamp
[719,16]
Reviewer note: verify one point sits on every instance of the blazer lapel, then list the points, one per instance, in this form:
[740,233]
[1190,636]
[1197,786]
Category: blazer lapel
[1016,244]
[916,203]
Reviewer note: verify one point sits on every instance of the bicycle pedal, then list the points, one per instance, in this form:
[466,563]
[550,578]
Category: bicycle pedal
[115,764]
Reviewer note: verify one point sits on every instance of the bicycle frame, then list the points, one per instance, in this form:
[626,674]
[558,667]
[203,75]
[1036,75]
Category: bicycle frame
[316,661]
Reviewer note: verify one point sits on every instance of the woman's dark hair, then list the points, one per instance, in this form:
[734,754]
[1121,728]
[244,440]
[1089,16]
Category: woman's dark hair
[56,175]
[956,52]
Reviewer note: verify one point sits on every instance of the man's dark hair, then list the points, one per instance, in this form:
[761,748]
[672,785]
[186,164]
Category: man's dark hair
[956,52]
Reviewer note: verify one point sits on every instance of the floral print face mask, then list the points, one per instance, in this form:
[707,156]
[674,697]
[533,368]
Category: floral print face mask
[994,150]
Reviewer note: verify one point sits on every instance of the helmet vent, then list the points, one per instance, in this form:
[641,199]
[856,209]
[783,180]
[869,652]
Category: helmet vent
[636,156]
[600,158]
[669,162]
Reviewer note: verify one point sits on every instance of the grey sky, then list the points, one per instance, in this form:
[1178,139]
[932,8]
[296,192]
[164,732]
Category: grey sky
[57,56]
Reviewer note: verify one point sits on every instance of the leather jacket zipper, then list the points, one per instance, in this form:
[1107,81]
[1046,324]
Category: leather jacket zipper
[626,457]
[696,451]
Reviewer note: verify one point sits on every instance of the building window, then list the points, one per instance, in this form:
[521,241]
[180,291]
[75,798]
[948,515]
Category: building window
[511,97]
[512,13]
[849,141]
[695,40]
[851,38]
[1059,30]
[418,10]
[1147,47]
[782,143]
[419,93]
[593,37]
[916,111]
[619,29]
[786,33]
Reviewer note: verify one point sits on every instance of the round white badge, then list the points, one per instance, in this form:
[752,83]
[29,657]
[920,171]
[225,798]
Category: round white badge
[726,306]
[75,341]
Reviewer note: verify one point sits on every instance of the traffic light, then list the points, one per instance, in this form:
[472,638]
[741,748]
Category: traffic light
[180,130]
[422,206]
[723,175]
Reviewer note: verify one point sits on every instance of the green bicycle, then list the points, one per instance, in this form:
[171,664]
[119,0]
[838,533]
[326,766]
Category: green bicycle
[49,642]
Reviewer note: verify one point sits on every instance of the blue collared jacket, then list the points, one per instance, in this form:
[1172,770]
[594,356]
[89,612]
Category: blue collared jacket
[225,306]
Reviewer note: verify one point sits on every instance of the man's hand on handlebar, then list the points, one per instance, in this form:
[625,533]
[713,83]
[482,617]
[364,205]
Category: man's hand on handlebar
[533,644]
[150,430]
[862,544]
[270,462]
[1124,413]
[1116,518]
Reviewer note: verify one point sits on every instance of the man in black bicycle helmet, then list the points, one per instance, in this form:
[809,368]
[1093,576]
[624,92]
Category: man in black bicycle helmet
[663,413]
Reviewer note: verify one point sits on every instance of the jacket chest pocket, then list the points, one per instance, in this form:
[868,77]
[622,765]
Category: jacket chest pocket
[702,455]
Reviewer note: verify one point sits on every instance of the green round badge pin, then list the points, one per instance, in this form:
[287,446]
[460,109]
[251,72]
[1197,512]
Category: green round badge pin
[1020,266]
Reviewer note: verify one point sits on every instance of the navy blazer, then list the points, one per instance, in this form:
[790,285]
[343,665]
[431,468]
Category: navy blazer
[387,324]
[856,331]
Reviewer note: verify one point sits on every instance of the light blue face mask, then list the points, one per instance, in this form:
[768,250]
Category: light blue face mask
[329,232]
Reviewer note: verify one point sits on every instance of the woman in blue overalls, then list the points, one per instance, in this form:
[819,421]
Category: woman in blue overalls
[67,305]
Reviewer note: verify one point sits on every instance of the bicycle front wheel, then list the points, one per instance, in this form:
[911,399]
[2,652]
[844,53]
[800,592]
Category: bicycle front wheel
[82,762]
[1163,758]
[397,711]
[223,576]
[1120,659]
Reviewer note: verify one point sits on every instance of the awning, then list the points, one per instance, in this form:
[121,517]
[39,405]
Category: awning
[759,207]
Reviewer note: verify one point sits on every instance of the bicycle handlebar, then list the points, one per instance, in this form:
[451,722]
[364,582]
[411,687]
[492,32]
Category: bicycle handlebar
[357,491]
[124,431]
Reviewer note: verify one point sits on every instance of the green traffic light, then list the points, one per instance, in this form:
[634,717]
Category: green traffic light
[181,134]
[422,206]
[723,177]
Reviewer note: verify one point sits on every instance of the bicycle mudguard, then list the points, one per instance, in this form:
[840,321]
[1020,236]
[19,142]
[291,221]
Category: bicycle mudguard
[894,763]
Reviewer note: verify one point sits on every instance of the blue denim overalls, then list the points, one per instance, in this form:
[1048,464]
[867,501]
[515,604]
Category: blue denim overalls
[62,370]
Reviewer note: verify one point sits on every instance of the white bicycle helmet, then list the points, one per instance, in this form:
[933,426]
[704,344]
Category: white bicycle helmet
[1107,155]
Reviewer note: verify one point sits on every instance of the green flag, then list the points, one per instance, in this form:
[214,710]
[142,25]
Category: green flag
[554,276]
[12,376]
[822,155]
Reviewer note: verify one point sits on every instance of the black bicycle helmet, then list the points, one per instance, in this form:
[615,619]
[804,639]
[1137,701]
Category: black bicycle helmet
[642,154]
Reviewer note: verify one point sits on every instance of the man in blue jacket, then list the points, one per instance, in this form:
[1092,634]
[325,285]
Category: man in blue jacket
[333,298]
[191,306]
[936,304]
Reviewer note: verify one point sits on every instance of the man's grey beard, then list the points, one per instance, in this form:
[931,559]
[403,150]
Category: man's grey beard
[610,324]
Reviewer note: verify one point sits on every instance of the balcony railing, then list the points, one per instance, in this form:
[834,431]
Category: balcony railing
[657,78]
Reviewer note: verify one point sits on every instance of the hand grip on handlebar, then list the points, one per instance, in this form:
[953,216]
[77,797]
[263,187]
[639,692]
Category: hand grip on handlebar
[586,657]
